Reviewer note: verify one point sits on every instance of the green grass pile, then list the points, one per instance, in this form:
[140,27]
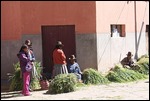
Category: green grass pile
[17,80]
[121,75]
[91,76]
[63,83]
[143,56]
[143,64]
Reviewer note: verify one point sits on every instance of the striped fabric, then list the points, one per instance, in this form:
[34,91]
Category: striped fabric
[60,69]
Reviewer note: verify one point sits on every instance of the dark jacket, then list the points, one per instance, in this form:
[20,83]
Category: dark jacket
[127,61]
[23,59]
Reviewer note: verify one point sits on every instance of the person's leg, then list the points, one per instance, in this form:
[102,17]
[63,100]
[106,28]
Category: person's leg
[26,80]
[78,77]
[54,72]
[23,83]
[81,76]
[64,69]
[57,70]
[31,77]
[23,90]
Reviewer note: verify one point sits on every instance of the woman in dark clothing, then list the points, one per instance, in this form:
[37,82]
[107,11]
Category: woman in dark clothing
[24,63]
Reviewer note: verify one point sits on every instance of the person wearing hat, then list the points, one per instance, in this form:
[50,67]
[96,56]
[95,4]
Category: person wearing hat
[73,67]
[128,60]
[59,60]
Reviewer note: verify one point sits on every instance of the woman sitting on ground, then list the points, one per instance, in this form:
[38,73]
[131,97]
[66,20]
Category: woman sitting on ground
[73,67]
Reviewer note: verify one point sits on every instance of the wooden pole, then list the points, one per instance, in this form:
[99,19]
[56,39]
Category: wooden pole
[136,53]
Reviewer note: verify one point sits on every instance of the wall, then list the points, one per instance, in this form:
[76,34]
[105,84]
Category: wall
[10,30]
[9,50]
[119,12]
[111,50]
[10,20]
[28,16]
[86,50]
[82,14]
[37,45]
[22,20]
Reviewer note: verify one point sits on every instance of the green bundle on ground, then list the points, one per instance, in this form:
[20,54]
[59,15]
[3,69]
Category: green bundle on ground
[143,64]
[63,83]
[91,76]
[143,56]
[17,80]
[121,75]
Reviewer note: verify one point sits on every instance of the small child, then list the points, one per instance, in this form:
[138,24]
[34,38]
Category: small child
[24,60]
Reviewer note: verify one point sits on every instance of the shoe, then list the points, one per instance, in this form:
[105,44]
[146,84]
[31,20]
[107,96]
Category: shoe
[30,90]
[27,94]
[80,81]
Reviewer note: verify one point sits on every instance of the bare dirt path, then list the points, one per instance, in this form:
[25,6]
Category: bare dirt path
[138,90]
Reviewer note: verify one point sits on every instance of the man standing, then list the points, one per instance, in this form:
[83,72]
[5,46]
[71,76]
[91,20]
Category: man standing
[59,60]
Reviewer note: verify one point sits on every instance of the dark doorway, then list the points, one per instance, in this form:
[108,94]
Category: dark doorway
[50,35]
[147,37]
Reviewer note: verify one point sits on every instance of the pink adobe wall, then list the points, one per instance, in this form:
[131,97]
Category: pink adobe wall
[35,14]
[108,12]
[10,20]
[26,17]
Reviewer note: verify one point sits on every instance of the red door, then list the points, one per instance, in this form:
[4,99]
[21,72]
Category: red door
[50,35]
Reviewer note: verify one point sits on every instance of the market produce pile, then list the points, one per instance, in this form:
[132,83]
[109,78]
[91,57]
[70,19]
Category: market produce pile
[143,64]
[91,76]
[17,81]
[121,75]
[63,83]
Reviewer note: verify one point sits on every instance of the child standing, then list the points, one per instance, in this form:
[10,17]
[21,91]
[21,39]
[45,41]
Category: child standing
[26,67]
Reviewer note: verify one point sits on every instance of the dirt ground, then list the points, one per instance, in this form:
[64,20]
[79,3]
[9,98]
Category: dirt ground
[138,90]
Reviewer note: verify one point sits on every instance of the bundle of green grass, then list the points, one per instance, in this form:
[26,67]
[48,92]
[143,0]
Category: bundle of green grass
[143,64]
[63,83]
[121,75]
[91,76]
[17,80]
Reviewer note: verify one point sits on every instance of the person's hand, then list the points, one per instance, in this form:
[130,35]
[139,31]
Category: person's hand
[126,66]
[133,65]
[81,73]
[32,60]
[31,63]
